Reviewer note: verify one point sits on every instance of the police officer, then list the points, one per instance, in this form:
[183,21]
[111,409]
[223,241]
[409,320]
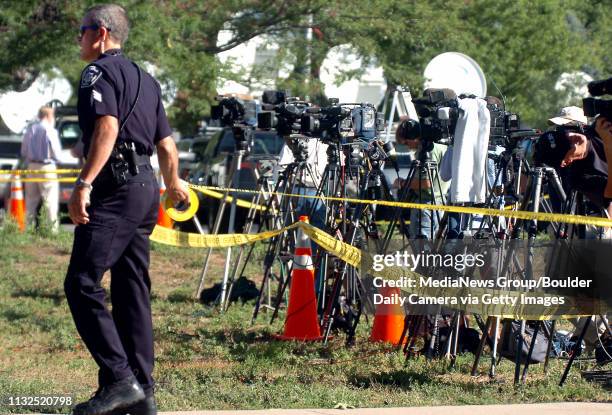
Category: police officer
[114,204]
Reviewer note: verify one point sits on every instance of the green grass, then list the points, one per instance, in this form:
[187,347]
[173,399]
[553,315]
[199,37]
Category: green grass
[205,360]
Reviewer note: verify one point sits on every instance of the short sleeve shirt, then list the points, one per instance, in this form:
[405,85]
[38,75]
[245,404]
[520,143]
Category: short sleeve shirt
[109,86]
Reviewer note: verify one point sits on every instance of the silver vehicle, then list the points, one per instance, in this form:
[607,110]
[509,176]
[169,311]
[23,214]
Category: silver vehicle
[67,124]
[213,160]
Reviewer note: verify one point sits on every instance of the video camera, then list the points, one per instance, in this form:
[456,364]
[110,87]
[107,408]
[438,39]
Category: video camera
[330,124]
[505,130]
[238,114]
[281,112]
[343,122]
[438,111]
[593,106]
[232,110]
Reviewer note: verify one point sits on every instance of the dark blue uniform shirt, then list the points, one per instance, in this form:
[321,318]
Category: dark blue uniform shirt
[108,87]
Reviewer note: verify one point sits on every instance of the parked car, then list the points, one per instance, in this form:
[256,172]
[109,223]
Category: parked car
[10,152]
[213,159]
[69,131]
[186,157]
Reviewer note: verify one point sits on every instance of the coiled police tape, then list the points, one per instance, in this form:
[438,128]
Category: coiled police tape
[181,215]
[355,257]
[518,214]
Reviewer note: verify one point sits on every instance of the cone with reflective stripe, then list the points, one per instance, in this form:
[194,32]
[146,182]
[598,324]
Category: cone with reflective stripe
[302,322]
[389,320]
[162,217]
[17,204]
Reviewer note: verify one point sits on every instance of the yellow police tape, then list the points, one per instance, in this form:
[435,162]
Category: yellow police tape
[218,192]
[356,258]
[175,238]
[518,214]
[229,199]
[56,171]
[182,215]
[40,180]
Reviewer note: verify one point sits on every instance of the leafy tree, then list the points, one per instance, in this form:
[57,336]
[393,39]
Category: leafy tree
[523,46]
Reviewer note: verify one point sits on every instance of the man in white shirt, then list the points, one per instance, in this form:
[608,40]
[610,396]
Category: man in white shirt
[41,150]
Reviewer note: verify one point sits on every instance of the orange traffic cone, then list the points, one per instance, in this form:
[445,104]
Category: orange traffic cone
[389,320]
[162,217]
[302,322]
[17,204]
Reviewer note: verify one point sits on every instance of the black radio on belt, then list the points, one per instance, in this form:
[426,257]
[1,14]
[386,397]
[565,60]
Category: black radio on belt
[123,161]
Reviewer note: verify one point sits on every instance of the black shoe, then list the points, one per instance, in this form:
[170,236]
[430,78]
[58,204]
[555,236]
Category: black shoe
[145,407]
[107,399]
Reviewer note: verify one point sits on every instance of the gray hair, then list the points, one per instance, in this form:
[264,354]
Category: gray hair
[113,17]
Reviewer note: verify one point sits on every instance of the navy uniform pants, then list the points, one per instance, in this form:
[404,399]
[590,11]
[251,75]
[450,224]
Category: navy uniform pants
[121,218]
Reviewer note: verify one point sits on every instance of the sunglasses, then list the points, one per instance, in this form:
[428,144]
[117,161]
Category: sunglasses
[87,27]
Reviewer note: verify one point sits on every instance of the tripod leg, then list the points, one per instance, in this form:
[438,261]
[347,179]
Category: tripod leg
[519,350]
[231,229]
[549,347]
[216,227]
[435,334]
[451,334]
[494,348]
[403,193]
[280,296]
[456,340]
[530,353]
[251,216]
[413,337]
[575,351]
[481,345]
[282,184]
[404,331]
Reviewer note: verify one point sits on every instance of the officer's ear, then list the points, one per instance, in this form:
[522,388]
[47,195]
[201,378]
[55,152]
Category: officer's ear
[104,33]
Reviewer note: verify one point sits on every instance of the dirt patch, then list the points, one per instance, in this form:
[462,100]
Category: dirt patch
[196,364]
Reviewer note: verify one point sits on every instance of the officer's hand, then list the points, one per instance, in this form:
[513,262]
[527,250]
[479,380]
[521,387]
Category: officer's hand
[578,151]
[77,205]
[177,192]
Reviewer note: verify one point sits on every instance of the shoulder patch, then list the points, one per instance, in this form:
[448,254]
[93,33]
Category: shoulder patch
[90,76]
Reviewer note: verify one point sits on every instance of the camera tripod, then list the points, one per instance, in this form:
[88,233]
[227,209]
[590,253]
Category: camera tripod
[265,205]
[242,142]
[423,168]
[344,302]
[534,201]
[282,212]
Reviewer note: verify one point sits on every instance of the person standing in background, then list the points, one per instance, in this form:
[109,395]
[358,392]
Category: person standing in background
[41,149]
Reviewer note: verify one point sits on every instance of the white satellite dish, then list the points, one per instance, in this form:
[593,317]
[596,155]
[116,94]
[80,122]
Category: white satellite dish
[18,108]
[456,71]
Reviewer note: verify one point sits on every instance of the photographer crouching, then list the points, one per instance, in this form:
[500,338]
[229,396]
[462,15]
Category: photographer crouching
[586,160]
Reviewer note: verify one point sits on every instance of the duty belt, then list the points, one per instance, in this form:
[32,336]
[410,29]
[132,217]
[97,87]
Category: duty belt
[142,159]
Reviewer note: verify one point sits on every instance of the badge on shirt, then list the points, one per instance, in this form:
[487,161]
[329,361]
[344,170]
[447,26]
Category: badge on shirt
[91,74]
